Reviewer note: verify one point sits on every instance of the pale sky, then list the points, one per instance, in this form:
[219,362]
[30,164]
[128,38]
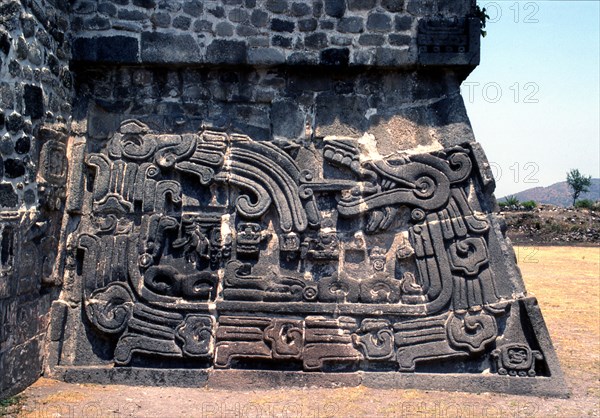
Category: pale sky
[534,100]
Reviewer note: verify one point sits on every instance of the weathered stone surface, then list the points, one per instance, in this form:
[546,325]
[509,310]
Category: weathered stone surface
[117,49]
[254,193]
[226,52]
[168,48]
[293,28]
[33,65]
[34,101]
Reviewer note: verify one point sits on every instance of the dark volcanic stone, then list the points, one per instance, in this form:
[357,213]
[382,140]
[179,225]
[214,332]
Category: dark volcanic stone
[33,96]
[14,122]
[300,9]
[246,30]
[13,168]
[315,40]
[117,49]
[327,24]
[217,12]
[277,6]
[403,23]
[399,39]
[379,22]
[335,8]
[226,52]
[307,25]
[193,8]
[108,9]
[9,9]
[4,42]
[279,25]
[265,56]
[97,23]
[147,4]
[14,68]
[393,6]
[28,26]
[281,41]
[168,48]
[6,147]
[132,15]
[8,197]
[53,64]
[259,18]
[361,4]
[287,119]
[352,24]
[371,39]
[161,19]
[21,50]
[335,56]
[239,16]
[23,145]
[224,29]
[182,22]
[29,197]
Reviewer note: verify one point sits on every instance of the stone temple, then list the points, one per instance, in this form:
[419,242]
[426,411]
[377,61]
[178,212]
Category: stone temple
[253,193]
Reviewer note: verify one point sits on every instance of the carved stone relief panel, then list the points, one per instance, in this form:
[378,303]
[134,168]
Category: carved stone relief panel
[212,250]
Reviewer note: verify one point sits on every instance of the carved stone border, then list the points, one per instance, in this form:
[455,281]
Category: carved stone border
[236,379]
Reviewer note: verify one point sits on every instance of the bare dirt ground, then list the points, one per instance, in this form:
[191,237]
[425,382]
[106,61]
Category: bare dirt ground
[566,281]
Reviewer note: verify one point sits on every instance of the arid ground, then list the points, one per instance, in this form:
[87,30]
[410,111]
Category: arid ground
[565,280]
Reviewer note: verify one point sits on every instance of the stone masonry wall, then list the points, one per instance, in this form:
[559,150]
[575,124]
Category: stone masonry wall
[35,107]
[259,191]
[279,104]
[265,32]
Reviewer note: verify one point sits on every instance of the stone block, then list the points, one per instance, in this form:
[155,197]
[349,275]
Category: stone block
[259,18]
[300,9]
[335,8]
[394,6]
[307,25]
[112,49]
[353,24]
[170,48]
[371,39]
[361,4]
[265,56]
[279,25]
[338,57]
[403,23]
[277,6]
[379,22]
[226,52]
[33,96]
[8,197]
[182,22]
[287,119]
[193,7]
[316,40]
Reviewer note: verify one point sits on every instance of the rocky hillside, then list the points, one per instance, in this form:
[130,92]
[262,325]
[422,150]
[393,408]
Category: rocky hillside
[549,224]
[557,194]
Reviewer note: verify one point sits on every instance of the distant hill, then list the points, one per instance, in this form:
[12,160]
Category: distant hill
[557,194]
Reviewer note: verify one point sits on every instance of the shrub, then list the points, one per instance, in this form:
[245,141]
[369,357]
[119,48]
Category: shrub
[584,204]
[529,205]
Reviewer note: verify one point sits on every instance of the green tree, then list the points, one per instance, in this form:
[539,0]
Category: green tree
[578,183]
